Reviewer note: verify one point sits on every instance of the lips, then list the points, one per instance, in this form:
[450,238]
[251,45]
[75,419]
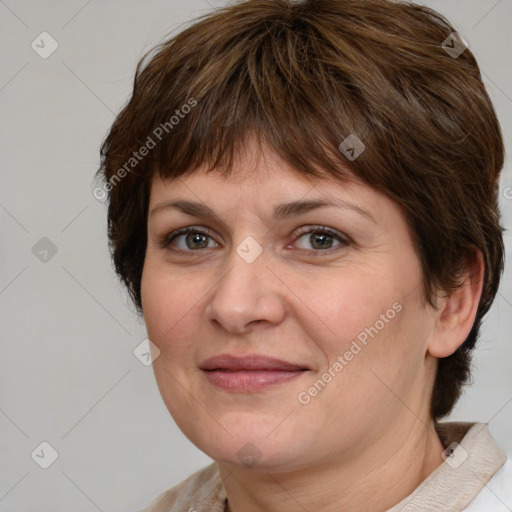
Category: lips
[250,373]
[227,362]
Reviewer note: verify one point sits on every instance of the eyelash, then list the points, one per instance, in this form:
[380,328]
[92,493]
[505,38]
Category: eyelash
[344,240]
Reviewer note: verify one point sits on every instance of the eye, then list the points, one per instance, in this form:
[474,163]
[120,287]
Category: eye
[192,239]
[321,238]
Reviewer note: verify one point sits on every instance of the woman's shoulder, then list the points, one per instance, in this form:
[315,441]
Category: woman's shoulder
[496,494]
[203,490]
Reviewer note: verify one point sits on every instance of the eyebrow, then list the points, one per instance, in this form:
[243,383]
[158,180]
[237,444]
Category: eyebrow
[281,212]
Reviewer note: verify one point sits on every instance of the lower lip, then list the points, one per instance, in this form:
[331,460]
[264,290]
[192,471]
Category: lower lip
[250,380]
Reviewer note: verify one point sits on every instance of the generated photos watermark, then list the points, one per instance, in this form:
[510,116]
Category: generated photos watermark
[304,397]
[157,135]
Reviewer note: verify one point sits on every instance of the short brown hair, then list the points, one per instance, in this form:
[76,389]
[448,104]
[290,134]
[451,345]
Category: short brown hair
[303,76]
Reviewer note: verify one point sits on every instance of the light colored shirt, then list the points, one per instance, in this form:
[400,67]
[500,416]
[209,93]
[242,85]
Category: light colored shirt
[476,477]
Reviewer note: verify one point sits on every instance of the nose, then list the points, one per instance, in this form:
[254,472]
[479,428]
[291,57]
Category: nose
[248,293]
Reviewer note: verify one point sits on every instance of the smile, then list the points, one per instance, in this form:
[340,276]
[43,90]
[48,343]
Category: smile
[249,373]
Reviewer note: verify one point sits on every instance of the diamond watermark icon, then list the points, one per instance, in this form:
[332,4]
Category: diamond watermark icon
[454,45]
[249,455]
[249,249]
[45,455]
[44,250]
[44,45]
[146,352]
[455,455]
[352,147]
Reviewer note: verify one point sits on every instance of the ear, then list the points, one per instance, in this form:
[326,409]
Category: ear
[456,313]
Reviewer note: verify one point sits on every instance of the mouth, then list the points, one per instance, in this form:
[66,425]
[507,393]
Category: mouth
[249,373]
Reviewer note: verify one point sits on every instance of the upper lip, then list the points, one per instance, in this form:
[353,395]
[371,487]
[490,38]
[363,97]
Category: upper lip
[249,362]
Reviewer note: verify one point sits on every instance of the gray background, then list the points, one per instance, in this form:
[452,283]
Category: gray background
[68,373]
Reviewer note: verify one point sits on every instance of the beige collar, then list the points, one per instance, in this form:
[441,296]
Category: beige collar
[452,486]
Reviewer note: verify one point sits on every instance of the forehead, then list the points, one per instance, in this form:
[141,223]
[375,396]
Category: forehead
[254,169]
[276,194]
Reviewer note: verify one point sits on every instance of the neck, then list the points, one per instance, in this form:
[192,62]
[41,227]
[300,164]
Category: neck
[385,473]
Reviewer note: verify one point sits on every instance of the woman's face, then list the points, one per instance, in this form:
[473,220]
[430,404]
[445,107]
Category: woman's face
[332,292]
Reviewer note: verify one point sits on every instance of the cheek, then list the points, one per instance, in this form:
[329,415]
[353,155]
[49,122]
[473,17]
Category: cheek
[371,323]
[351,305]
[168,308]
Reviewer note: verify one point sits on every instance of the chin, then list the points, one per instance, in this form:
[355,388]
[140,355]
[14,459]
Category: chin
[256,444]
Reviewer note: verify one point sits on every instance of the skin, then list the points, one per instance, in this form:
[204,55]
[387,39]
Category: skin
[366,440]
